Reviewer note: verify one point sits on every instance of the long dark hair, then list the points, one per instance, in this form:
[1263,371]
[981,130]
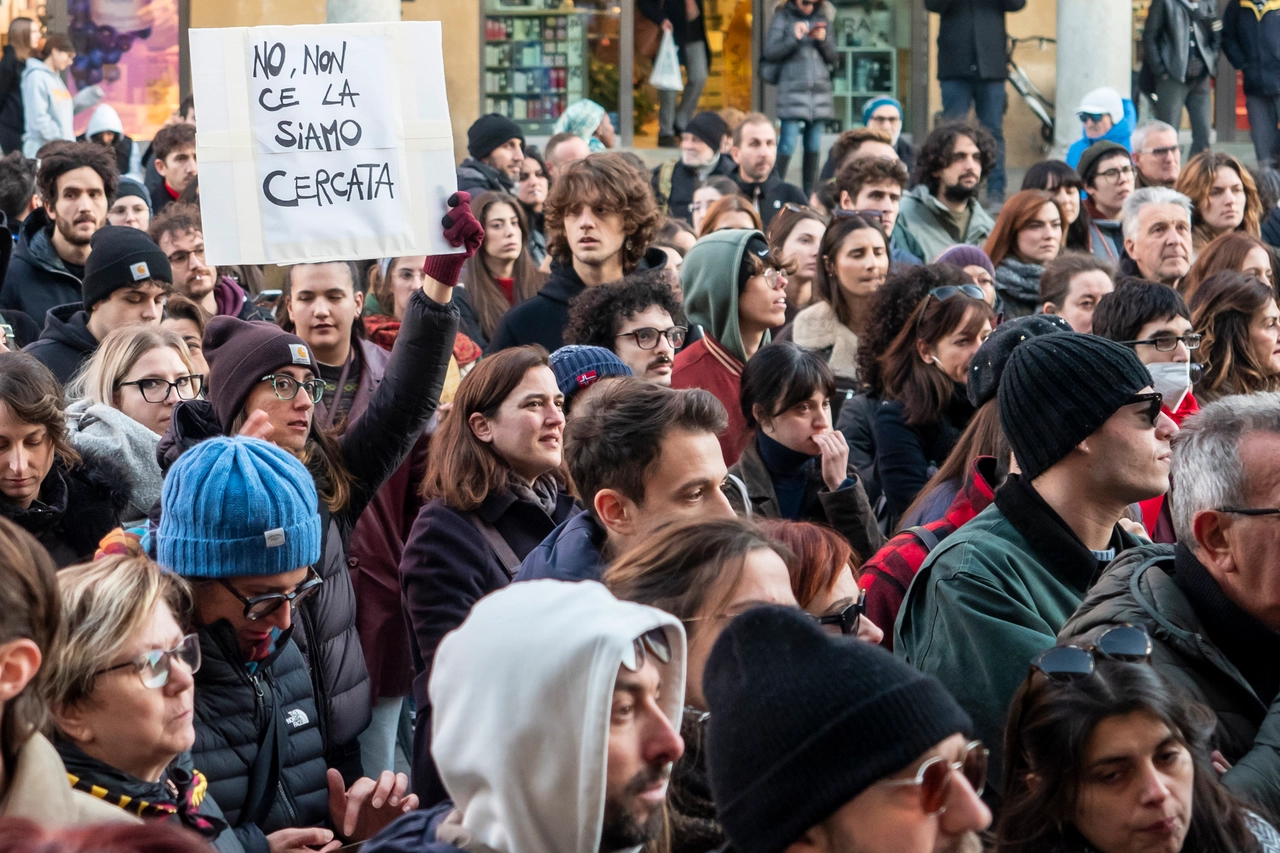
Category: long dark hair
[923,389]
[826,282]
[1047,737]
[462,469]
[1221,310]
[483,293]
[1049,175]
[982,437]
[894,302]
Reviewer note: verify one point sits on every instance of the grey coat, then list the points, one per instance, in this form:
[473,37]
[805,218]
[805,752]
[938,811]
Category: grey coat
[804,82]
[97,432]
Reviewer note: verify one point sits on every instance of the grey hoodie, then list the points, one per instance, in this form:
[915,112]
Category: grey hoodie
[49,109]
[99,431]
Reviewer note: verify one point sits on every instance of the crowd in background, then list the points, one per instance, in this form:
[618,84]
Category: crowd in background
[683,509]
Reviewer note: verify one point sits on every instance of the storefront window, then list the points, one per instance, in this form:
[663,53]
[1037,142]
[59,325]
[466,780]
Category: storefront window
[873,38]
[540,56]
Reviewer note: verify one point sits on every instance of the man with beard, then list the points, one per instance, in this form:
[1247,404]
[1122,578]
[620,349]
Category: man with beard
[496,146]
[826,744]
[943,208]
[700,158]
[635,319]
[180,235]
[76,181]
[556,719]
[755,150]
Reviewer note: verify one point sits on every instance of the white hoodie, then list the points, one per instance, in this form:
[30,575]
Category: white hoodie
[521,696]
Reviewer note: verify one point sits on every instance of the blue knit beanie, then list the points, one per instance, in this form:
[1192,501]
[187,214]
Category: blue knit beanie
[577,367]
[238,507]
[875,103]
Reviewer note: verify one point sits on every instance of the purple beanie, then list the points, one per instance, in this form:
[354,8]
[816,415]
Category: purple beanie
[240,353]
[966,256]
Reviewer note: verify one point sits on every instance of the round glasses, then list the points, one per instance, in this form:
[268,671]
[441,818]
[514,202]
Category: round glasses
[936,776]
[775,279]
[286,387]
[155,390]
[154,667]
[647,338]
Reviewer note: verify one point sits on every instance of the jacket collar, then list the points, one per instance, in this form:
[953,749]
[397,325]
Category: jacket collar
[491,174]
[976,493]
[1055,544]
[722,355]
[36,246]
[47,509]
[69,324]
[818,327]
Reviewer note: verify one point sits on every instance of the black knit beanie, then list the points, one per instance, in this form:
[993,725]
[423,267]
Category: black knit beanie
[708,127]
[240,353]
[120,256]
[1058,389]
[490,131]
[803,721]
[988,362]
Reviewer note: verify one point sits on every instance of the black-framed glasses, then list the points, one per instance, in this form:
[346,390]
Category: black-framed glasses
[261,606]
[1168,343]
[1160,152]
[286,387]
[155,390]
[652,642]
[647,338]
[1114,175]
[1251,511]
[849,616]
[1064,664]
[1154,401]
[154,667]
[935,777]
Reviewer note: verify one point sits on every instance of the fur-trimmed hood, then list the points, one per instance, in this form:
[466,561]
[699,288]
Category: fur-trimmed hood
[76,508]
[817,327]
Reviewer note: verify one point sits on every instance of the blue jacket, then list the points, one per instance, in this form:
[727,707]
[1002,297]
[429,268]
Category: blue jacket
[1119,132]
[570,553]
[1251,41]
[414,833]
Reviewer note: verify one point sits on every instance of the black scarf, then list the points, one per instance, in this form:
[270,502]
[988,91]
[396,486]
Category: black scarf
[178,794]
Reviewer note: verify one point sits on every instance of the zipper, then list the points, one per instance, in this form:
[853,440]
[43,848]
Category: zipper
[317,673]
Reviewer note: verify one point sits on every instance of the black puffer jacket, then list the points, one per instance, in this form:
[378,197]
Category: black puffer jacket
[75,509]
[372,447]
[66,342]
[37,279]
[232,711]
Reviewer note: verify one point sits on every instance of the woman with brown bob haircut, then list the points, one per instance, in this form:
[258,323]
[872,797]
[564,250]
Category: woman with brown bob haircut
[1223,197]
[1236,251]
[1240,324]
[495,490]
[1027,235]
[730,211]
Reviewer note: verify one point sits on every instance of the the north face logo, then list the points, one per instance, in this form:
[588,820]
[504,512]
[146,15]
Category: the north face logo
[296,718]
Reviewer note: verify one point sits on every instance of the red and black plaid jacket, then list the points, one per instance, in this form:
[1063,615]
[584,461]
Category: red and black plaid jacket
[887,575]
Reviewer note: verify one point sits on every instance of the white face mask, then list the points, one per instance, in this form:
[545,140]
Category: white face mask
[1173,380]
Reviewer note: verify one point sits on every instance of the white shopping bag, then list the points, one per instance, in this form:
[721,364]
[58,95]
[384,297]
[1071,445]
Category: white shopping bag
[666,66]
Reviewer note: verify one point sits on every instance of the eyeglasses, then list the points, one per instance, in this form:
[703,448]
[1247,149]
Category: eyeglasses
[647,338]
[849,617]
[154,667]
[775,279]
[1114,175]
[1064,664]
[935,777]
[653,642]
[1239,510]
[1092,117]
[1153,399]
[260,606]
[1168,343]
[286,387]
[1160,152]
[157,390]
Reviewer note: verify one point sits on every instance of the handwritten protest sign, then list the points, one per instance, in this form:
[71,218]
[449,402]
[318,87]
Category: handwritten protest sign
[324,142]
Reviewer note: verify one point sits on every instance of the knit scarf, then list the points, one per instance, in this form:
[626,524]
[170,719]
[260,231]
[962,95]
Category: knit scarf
[543,492]
[1019,282]
[178,793]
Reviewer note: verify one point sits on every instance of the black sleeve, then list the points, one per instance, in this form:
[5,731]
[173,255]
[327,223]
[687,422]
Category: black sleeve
[1151,33]
[379,440]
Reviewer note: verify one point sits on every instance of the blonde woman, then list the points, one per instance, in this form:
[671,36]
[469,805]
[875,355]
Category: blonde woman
[123,401]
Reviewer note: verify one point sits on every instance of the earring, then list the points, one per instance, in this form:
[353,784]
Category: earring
[628,244]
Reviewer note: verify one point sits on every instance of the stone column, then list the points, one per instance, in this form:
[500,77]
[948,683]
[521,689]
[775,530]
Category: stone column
[362,11]
[1095,48]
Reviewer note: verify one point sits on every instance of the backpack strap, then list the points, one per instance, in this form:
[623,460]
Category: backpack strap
[510,562]
[264,773]
[926,537]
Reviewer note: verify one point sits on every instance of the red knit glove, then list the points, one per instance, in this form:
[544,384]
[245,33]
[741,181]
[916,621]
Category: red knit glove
[461,228]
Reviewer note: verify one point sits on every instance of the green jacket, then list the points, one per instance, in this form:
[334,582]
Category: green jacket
[985,602]
[933,225]
[1140,589]
[709,279]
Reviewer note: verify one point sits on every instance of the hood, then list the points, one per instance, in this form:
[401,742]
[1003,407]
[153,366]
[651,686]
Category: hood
[193,421]
[1121,131]
[542,702]
[565,283]
[99,431]
[228,296]
[35,246]
[68,324]
[104,118]
[709,279]
[37,66]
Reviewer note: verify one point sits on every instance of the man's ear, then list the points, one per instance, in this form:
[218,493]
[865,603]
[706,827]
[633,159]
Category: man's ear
[615,511]
[1049,308]
[846,203]
[161,168]
[1211,546]
[1129,246]
[480,427]
[19,661]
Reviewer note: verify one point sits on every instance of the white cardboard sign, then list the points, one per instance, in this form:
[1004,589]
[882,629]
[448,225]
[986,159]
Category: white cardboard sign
[322,142]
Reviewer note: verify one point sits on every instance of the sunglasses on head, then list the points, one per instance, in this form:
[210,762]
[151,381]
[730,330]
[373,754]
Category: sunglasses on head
[1064,664]
[876,216]
[936,776]
[653,642]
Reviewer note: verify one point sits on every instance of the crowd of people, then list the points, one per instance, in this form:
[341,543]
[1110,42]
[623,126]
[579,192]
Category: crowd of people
[682,509]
